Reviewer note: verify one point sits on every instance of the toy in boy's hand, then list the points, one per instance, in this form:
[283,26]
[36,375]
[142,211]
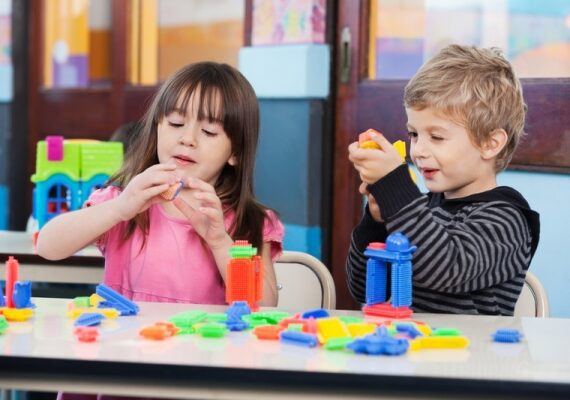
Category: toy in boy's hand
[365,142]
[365,139]
[172,191]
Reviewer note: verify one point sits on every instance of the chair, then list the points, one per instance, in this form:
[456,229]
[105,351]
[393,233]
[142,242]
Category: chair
[533,300]
[303,282]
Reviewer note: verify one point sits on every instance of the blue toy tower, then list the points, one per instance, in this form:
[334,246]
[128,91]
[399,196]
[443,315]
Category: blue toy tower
[397,253]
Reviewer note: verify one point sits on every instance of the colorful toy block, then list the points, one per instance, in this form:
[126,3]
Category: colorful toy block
[398,252]
[244,275]
[68,171]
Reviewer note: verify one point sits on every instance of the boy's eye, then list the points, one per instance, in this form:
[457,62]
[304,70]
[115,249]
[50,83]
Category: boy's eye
[436,138]
[412,135]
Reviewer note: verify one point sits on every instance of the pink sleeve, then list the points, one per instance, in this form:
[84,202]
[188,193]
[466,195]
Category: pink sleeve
[97,197]
[273,232]
[102,195]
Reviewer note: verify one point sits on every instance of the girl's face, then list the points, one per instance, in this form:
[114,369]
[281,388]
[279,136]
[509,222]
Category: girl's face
[200,149]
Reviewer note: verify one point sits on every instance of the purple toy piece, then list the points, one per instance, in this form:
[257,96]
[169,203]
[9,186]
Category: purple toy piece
[54,148]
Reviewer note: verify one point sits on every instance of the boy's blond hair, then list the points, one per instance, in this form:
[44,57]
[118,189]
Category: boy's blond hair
[475,87]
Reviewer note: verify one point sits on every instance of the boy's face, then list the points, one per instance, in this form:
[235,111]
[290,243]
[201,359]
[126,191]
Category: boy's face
[446,157]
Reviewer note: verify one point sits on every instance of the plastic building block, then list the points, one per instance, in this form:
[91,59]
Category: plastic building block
[159,331]
[365,139]
[86,333]
[109,313]
[267,332]
[236,325]
[446,332]
[188,319]
[12,269]
[3,324]
[507,336]
[211,330]
[18,314]
[22,295]
[387,310]
[298,338]
[318,313]
[2,301]
[95,299]
[83,302]
[331,328]
[118,301]
[238,309]
[172,191]
[398,253]
[89,319]
[358,329]
[375,345]
[337,344]
[439,342]
[244,277]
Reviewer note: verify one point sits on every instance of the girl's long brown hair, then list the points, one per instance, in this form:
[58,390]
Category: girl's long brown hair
[223,95]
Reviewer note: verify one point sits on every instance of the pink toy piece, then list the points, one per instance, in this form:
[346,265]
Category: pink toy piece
[12,267]
[54,148]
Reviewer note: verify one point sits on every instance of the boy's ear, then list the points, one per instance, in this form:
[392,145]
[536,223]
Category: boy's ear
[496,141]
[232,161]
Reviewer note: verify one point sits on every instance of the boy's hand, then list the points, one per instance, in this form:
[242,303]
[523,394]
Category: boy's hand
[372,204]
[208,218]
[374,164]
[143,190]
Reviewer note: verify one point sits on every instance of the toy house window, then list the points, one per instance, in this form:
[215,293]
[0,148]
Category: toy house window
[59,199]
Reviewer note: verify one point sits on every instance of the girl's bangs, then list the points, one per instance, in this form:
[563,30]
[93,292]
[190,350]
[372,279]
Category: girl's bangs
[209,101]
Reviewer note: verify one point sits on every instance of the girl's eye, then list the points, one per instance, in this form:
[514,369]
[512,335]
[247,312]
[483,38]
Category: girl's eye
[412,135]
[436,138]
[209,133]
[175,124]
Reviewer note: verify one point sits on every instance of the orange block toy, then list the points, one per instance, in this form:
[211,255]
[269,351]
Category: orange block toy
[244,275]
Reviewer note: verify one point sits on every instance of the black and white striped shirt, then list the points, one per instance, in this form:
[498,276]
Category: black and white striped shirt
[473,253]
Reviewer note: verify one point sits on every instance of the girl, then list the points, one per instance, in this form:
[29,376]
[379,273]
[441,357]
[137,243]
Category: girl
[202,130]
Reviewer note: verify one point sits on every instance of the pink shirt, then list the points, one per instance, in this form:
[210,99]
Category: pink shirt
[174,265]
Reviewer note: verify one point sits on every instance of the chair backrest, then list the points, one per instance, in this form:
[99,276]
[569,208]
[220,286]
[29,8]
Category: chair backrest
[303,282]
[533,301]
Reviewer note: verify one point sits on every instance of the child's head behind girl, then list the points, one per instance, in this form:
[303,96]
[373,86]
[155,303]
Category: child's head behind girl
[204,118]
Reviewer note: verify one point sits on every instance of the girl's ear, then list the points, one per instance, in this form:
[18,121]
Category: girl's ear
[232,161]
[496,141]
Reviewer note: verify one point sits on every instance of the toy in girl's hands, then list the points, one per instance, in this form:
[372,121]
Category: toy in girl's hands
[172,191]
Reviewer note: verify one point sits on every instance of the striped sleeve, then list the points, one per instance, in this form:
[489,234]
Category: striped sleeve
[473,247]
[466,251]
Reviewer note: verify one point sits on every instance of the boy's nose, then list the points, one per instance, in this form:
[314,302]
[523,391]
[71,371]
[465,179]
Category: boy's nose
[418,149]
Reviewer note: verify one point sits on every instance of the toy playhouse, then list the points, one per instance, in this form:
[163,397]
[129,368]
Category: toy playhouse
[68,171]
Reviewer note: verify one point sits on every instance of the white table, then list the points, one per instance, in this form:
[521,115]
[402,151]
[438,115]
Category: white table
[84,267]
[43,354]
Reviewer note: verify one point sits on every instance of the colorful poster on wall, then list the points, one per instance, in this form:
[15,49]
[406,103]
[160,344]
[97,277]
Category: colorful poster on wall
[288,22]
[6,74]
[535,36]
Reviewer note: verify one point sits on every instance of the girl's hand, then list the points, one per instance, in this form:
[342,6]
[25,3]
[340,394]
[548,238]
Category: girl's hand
[374,164]
[142,191]
[372,204]
[208,218]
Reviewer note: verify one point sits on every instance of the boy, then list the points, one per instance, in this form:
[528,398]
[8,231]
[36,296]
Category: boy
[475,240]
